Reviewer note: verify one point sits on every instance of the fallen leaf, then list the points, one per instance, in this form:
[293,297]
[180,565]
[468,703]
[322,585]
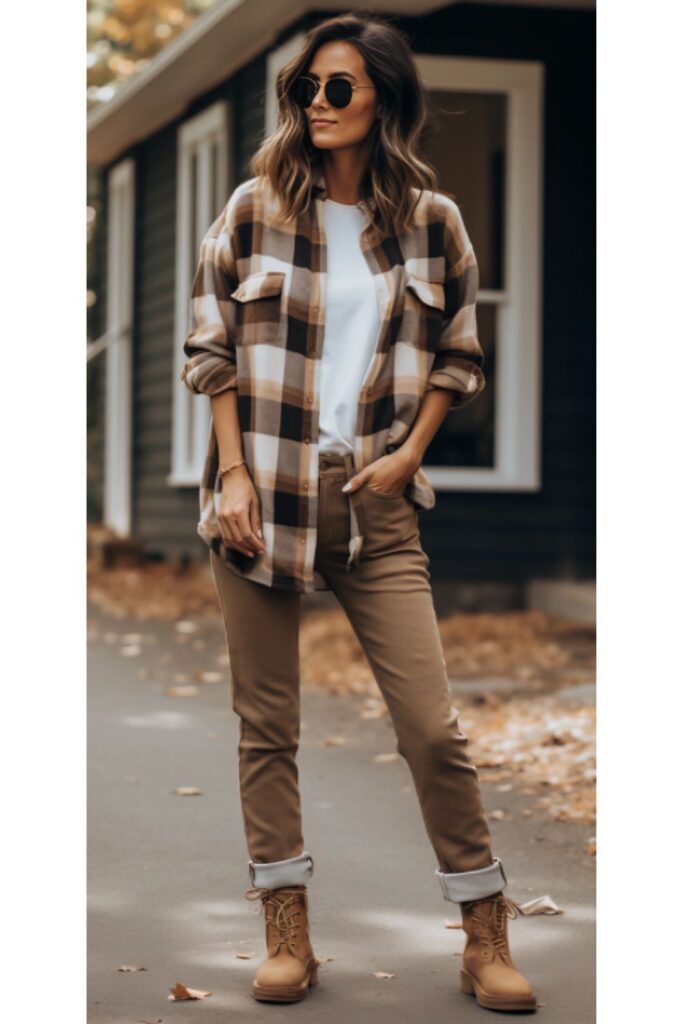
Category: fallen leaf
[244,956]
[383,974]
[185,626]
[181,691]
[125,967]
[131,651]
[372,713]
[180,991]
[381,758]
[334,741]
[187,791]
[210,677]
[541,905]
[453,924]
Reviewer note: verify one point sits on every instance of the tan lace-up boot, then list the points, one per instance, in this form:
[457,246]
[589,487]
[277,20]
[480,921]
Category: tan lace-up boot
[487,971]
[291,966]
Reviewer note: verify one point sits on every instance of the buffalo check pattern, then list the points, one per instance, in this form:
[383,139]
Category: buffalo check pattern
[257,317]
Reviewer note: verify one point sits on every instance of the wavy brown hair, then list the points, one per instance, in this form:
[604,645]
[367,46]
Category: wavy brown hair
[288,159]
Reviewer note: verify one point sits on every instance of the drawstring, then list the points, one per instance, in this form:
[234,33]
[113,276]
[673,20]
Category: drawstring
[355,509]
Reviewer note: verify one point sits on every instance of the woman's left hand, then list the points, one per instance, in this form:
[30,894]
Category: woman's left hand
[389,474]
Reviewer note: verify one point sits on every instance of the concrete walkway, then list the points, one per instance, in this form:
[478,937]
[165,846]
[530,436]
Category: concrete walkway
[167,873]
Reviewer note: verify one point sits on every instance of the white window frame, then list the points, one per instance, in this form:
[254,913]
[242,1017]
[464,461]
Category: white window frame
[277,59]
[517,308]
[118,416]
[192,413]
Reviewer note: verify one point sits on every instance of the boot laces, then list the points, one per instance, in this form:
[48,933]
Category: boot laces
[490,929]
[282,913]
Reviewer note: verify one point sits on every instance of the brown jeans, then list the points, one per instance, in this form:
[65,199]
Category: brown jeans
[388,600]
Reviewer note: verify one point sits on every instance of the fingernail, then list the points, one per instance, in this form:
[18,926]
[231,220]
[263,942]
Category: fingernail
[347,487]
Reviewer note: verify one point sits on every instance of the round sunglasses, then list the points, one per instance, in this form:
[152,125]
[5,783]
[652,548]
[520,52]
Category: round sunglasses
[338,91]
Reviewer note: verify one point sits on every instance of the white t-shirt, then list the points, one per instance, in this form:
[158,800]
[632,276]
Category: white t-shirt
[351,326]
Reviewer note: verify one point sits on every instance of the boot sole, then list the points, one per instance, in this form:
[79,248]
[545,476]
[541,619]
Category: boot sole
[285,993]
[470,987]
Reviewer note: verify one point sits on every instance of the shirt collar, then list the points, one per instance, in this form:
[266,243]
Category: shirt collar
[320,190]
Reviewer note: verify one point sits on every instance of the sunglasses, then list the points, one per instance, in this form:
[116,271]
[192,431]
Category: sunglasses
[338,91]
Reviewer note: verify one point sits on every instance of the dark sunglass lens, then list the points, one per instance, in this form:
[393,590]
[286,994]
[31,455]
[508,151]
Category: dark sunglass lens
[303,91]
[339,92]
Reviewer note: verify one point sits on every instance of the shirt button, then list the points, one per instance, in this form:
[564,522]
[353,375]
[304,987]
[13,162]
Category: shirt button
[307,440]
[309,398]
[305,487]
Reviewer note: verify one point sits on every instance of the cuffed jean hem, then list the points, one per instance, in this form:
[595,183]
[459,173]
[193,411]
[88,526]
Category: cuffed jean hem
[278,873]
[473,885]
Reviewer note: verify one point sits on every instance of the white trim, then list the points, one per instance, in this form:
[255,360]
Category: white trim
[118,414]
[517,307]
[275,60]
[192,416]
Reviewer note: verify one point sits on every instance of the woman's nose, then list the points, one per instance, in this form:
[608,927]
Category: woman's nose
[320,94]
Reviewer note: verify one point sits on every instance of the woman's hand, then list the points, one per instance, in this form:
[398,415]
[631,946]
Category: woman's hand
[239,515]
[389,474]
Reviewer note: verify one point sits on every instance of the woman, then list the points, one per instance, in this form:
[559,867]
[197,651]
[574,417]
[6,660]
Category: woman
[333,329]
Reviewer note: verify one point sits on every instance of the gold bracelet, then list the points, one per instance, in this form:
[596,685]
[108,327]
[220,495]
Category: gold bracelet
[226,469]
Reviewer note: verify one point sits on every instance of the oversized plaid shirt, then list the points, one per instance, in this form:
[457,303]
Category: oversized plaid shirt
[257,319]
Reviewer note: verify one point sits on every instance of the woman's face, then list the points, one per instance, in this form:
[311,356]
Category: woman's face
[331,127]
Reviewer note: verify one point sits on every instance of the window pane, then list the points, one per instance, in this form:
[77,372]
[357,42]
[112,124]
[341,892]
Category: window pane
[466,145]
[466,436]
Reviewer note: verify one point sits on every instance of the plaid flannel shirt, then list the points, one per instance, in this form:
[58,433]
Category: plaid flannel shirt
[257,319]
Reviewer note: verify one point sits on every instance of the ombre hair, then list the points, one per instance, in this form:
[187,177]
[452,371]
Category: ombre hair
[287,158]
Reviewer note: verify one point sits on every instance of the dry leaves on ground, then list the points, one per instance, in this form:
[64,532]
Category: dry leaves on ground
[532,648]
[542,744]
[180,991]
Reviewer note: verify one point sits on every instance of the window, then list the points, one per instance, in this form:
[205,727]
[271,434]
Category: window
[487,151]
[203,190]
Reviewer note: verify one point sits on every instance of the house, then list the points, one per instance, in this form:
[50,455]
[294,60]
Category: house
[513,94]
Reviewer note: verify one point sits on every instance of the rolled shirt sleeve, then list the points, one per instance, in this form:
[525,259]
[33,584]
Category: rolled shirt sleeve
[459,361]
[209,347]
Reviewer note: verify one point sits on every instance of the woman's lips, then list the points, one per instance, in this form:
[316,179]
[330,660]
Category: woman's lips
[320,124]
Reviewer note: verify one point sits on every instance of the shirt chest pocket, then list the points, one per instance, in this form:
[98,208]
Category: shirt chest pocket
[423,311]
[258,309]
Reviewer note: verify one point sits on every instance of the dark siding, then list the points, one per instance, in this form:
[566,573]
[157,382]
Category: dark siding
[164,516]
[550,533]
